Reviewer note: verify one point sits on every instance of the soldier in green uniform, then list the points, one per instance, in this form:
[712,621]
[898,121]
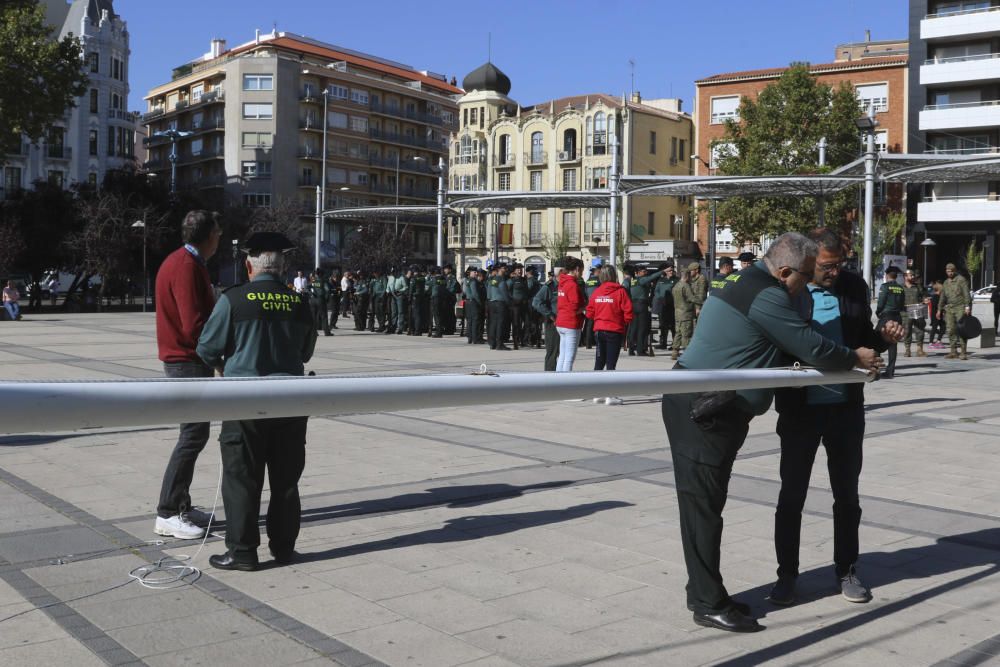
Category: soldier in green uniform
[362,295]
[913,295]
[399,288]
[474,294]
[663,304]
[639,289]
[889,308]
[452,289]
[544,303]
[955,302]
[719,281]
[436,291]
[318,299]
[333,291]
[684,314]
[590,286]
[534,320]
[258,329]
[377,316]
[699,287]
[418,300]
[498,303]
[519,297]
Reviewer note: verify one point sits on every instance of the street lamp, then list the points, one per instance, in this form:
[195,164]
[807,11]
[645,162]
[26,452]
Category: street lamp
[867,124]
[927,243]
[711,228]
[173,134]
[236,262]
[145,279]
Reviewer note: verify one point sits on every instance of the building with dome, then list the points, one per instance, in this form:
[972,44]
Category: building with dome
[565,145]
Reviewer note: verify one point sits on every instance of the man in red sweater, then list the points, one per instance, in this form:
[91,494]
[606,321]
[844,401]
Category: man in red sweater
[184,300]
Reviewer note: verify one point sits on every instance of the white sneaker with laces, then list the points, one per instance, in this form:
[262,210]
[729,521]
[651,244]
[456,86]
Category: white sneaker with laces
[199,517]
[178,526]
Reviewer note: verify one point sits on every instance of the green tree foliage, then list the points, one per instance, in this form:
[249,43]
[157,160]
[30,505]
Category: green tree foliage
[973,260]
[778,134]
[885,235]
[555,247]
[40,77]
[376,246]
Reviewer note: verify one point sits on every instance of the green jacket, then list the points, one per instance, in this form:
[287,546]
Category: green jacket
[378,286]
[518,286]
[319,289]
[497,290]
[699,289]
[473,290]
[418,287]
[639,288]
[891,299]
[664,287]
[437,286]
[362,286]
[257,329]
[546,299]
[684,301]
[955,293]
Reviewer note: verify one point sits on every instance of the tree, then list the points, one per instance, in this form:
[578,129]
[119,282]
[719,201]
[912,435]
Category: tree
[777,134]
[885,234]
[555,247]
[285,215]
[973,261]
[43,218]
[376,246]
[40,77]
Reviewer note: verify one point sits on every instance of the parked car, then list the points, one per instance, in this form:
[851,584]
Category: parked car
[983,294]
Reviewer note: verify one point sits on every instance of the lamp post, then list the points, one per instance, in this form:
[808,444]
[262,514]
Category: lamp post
[927,243]
[173,134]
[414,159]
[145,278]
[440,212]
[711,228]
[867,124]
[236,262]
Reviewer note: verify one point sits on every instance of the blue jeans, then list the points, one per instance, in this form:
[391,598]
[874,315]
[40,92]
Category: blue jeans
[175,497]
[569,340]
[12,309]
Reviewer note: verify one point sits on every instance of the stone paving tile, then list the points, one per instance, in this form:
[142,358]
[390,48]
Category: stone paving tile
[528,643]
[375,581]
[187,632]
[480,581]
[566,612]
[411,643]
[63,651]
[268,648]
[447,610]
[335,612]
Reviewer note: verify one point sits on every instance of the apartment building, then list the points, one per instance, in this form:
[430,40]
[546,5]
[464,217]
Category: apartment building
[565,145]
[250,130]
[877,71]
[955,101]
[98,133]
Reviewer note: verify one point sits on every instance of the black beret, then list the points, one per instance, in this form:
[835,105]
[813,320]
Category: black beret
[259,242]
[746,257]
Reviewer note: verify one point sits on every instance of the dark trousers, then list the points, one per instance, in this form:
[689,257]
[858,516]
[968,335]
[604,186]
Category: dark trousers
[417,319]
[319,315]
[379,314]
[638,331]
[518,311]
[333,308]
[360,311]
[587,335]
[472,324]
[399,308]
[703,455]
[609,346]
[248,447]
[890,367]
[437,317]
[841,429]
[175,494]
[448,319]
[996,315]
[497,324]
[666,322]
[551,345]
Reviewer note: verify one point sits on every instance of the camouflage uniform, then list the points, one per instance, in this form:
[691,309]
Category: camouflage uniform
[912,294]
[954,300]
[685,301]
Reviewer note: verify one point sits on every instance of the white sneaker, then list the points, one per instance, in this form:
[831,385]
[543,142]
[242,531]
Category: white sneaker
[199,517]
[178,526]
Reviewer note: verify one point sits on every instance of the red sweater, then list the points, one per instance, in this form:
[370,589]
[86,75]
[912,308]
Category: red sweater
[610,307]
[184,300]
[571,303]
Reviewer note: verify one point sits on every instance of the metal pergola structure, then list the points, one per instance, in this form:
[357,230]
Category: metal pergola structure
[885,167]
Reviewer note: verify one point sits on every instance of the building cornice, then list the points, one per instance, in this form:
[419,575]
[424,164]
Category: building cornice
[866,64]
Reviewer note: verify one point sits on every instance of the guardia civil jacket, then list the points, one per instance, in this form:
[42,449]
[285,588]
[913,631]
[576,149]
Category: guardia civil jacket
[259,328]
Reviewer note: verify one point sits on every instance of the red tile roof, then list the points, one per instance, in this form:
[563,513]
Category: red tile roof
[824,68]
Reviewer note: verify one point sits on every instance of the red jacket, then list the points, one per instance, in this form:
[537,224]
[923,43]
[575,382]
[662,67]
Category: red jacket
[571,303]
[184,300]
[610,307]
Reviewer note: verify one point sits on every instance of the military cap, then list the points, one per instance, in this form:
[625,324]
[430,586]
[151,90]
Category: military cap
[951,266]
[726,261]
[746,257]
[892,271]
[259,242]
[693,266]
[532,270]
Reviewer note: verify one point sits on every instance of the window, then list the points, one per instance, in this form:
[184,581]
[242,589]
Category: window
[116,68]
[11,179]
[256,199]
[258,110]
[719,151]
[882,142]
[536,181]
[338,92]
[569,226]
[472,115]
[197,90]
[874,97]
[673,150]
[197,145]
[506,155]
[976,143]
[358,150]
[600,135]
[252,169]
[359,124]
[597,177]
[537,146]
[359,96]
[535,227]
[92,179]
[111,143]
[503,181]
[359,178]
[256,139]
[651,223]
[94,60]
[93,142]
[725,108]
[569,180]
[56,177]
[482,116]
[307,176]
[336,175]
[93,100]
[682,151]
[652,142]
[465,117]
[569,145]
[338,120]
[596,224]
[447,117]
[258,82]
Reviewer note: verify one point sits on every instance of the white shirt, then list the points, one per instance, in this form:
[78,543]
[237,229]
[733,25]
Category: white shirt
[300,283]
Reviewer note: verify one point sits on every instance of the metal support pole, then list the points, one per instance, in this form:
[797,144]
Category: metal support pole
[710,269]
[319,223]
[322,169]
[613,183]
[173,165]
[397,191]
[869,203]
[145,273]
[440,213]
[821,200]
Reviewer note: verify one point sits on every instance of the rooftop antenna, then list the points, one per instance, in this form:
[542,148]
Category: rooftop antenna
[631,64]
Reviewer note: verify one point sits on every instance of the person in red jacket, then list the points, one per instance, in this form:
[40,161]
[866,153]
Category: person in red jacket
[611,310]
[569,312]
[184,300]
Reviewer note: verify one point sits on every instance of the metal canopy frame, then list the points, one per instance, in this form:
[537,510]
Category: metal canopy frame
[405,213]
[927,167]
[541,199]
[723,187]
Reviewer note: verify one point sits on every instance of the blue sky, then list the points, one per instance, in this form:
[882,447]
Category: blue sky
[549,48]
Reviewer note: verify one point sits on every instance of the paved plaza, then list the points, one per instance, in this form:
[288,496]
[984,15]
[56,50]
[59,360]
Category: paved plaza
[489,536]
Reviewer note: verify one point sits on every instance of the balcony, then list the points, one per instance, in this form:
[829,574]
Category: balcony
[536,158]
[468,159]
[405,165]
[198,156]
[22,151]
[309,181]
[962,115]
[959,209]
[473,239]
[312,124]
[532,240]
[396,112]
[504,161]
[973,22]
[967,150]
[568,156]
[184,105]
[121,114]
[412,193]
[58,152]
[207,125]
[212,181]
[961,69]
[310,153]
[393,137]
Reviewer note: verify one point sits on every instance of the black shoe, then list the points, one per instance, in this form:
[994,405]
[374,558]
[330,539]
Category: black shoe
[479,342]
[334,326]
[729,620]
[283,557]
[437,336]
[327,333]
[227,562]
[783,591]
[738,606]
[631,353]
[502,347]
